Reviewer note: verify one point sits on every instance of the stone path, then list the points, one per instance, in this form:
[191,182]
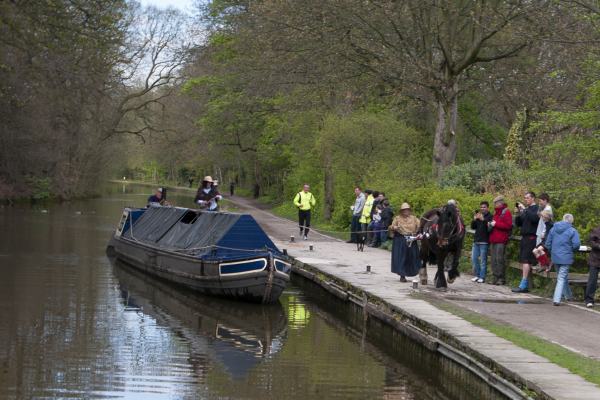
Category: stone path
[571,326]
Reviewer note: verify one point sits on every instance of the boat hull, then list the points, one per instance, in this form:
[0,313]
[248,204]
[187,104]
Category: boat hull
[258,280]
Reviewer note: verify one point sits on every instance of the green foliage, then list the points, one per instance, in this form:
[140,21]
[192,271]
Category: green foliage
[373,149]
[568,169]
[369,145]
[480,176]
[483,135]
[515,151]
[41,188]
[565,163]
[425,198]
[207,82]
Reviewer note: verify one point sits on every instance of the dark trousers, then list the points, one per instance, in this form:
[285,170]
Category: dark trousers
[355,227]
[498,253]
[592,285]
[365,234]
[304,221]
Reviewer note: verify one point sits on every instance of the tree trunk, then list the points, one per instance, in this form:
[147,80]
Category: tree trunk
[328,197]
[445,145]
[257,181]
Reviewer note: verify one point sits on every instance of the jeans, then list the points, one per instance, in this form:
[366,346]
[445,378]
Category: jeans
[355,227]
[498,252]
[562,284]
[375,227]
[365,236]
[383,235]
[592,285]
[479,259]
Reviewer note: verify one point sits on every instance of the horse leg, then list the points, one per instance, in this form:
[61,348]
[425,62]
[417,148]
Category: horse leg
[423,272]
[440,277]
[454,273]
[424,255]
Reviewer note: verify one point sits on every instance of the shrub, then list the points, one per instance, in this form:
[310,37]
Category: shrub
[40,187]
[483,176]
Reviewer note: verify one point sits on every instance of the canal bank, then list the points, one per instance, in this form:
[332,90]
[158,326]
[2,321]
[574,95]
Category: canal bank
[340,270]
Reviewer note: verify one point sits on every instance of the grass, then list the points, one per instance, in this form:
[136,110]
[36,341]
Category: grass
[586,367]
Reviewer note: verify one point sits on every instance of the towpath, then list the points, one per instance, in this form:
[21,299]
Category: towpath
[570,325]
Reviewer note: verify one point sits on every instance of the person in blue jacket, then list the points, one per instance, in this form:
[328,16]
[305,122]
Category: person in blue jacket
[562,242]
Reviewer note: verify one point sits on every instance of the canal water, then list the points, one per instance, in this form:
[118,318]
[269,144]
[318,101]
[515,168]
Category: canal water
[75,325]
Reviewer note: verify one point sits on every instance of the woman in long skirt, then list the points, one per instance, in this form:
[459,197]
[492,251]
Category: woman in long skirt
[405,255]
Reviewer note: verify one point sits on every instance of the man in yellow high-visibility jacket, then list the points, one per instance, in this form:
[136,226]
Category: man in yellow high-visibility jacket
[365,217]
[305,201]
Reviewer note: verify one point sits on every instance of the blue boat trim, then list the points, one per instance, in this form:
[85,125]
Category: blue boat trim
[242,267]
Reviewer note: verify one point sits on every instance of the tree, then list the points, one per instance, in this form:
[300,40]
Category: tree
[149,69]
[56,58]
[74,74]
[427,50]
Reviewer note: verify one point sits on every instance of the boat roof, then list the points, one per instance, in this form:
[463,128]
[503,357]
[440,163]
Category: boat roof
[206,235]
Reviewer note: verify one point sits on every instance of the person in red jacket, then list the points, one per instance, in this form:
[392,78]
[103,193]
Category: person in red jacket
[501,227]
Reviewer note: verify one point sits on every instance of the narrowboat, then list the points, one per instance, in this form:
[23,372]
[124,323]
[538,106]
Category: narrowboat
[214,253]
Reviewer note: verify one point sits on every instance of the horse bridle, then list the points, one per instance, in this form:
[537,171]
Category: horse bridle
[454,232]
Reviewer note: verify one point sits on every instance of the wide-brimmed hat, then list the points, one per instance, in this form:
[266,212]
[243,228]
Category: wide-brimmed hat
[405,206]
[498,198]
[208,178]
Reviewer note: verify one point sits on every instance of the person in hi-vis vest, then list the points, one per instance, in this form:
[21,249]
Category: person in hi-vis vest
[304,200]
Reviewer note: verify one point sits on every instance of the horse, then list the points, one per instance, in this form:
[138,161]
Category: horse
[443,233]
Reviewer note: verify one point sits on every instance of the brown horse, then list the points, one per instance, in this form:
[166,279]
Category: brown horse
[444,234]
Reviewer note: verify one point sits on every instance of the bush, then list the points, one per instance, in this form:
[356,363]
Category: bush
[40,187]
[483,176]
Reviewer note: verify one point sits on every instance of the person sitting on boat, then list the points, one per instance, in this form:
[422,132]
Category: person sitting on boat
[208,196]
[157,198]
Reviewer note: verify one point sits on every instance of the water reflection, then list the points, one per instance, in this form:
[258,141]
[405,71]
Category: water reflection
[236,334]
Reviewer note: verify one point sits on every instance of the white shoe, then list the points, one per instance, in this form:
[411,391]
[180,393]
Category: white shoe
[590,305]
[305,237]
[474,279]
[479,280]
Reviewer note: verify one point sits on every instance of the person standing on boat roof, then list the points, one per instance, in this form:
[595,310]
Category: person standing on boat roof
[304,200]
[208,196]
[156,198]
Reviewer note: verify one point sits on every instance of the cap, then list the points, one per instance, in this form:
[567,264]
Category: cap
[405,206]
[498,198]
[208,178]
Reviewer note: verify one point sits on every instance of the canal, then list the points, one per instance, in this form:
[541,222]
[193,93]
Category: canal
[73,325]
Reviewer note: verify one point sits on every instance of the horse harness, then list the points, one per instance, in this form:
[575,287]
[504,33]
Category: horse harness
[457,230]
